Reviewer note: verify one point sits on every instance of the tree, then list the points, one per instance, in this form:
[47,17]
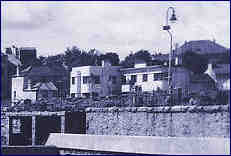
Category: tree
[113,57]
[129,61]
[143,55]
[195,62]
[72,56]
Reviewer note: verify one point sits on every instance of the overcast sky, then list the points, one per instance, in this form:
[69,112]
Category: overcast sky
[119,27]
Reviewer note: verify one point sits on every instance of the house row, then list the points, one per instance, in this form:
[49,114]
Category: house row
[37,82]
[109,80]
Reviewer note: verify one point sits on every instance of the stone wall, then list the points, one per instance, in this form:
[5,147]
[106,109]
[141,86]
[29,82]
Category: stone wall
[179,121]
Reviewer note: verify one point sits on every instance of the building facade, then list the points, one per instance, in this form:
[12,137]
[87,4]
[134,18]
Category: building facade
[39,82]
[95,80]
[9,63]
[153,78]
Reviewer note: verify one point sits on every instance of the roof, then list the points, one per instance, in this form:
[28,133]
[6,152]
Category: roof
[139,60]
[45,86]
[27,48]
[202,47]
[143,69]
[12,59]
[161,57]
[44,71]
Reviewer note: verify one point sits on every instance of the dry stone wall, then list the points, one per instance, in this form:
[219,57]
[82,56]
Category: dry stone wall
[179,121]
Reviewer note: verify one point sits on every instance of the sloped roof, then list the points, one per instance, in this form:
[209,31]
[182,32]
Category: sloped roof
[202,47]
[12,59]
[45,86]
[43,71]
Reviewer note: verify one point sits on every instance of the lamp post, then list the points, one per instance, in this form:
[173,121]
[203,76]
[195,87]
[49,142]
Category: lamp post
[167,28]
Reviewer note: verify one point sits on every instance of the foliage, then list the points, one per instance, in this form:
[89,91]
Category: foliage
[74,57]
[129,61]
[195,62]
[113,57]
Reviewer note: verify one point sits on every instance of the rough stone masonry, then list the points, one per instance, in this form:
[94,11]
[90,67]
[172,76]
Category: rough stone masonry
[177,121]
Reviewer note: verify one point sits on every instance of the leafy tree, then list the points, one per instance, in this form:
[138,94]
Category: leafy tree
[195,62]
[129,61]
[143,55]
[72,56]
[113,57]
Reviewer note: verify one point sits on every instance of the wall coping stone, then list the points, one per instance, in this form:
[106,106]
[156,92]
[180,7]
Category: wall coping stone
[142,144]
[163,109]
[34,113]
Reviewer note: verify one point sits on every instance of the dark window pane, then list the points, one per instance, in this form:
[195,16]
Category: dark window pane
[145,77]
[133,78]
[73,80]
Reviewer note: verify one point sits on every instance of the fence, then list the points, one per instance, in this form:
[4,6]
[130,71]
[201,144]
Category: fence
[154,99]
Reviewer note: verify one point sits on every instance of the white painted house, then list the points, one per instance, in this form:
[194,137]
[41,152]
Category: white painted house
[19,92]
[95,80]
[152,78]
[23,89]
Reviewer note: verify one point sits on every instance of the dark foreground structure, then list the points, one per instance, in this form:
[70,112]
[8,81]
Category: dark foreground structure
[193,130]
[33,128]
[29,150]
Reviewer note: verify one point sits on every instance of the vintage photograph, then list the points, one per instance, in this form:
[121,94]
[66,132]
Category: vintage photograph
[107,77]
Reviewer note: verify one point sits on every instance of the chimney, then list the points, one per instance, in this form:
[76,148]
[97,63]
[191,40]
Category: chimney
[176,61]
[210,67]
[17,71]
[29,84]
[106,63]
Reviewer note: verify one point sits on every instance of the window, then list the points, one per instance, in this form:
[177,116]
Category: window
[97,79]
[160,76]
[86,79]
[123,79]
[16,126]
[72,95]
[133,78]
[14,94]
[145,77]
[73,80]
[112,79]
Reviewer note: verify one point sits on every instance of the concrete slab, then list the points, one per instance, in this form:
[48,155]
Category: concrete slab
[142,144]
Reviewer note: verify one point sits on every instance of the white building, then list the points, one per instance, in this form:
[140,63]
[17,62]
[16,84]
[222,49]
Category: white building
[19,92]
[23,89]
[95,80]
[151,78]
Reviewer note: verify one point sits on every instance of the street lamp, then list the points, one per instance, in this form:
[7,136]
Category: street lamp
[167,28]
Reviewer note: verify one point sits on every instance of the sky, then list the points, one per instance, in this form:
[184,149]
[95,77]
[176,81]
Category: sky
[119,27]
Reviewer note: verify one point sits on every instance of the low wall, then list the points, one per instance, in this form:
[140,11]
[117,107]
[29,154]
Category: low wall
[178,121]
[99,144]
